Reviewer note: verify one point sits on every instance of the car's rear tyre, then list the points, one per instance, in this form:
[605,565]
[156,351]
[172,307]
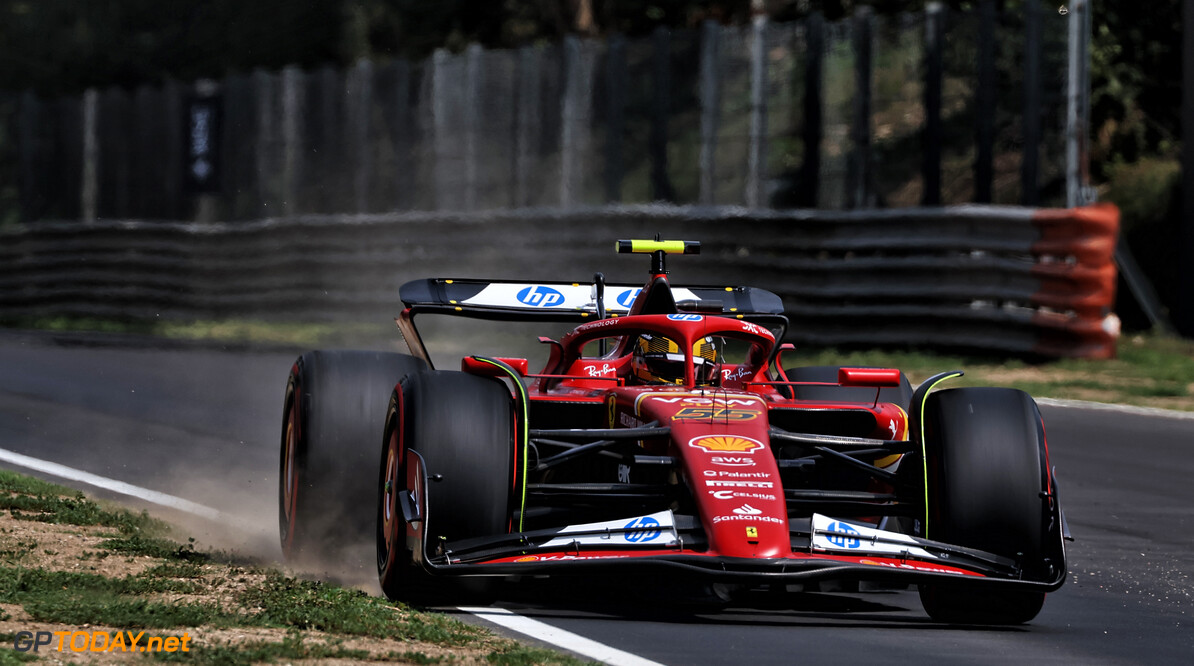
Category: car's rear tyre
[987,476]
[332,422]
[462,426]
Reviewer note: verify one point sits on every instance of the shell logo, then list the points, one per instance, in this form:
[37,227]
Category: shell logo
[528,558]
[726,443]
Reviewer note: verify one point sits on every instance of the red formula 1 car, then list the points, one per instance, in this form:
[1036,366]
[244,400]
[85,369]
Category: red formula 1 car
[664,435]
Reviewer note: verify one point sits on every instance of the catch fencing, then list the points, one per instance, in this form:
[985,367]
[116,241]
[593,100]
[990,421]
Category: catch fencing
[872,110]
[1021,280]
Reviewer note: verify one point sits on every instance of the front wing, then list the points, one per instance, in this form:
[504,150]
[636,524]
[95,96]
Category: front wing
[823,548]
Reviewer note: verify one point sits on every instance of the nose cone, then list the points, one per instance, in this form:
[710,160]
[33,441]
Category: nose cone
[721,439]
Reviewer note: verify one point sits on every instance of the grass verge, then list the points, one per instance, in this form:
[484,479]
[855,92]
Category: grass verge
[1148,371]
[69,564]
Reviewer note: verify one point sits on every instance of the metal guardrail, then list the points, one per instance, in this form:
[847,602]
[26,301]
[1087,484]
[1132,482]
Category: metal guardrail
[1013,279]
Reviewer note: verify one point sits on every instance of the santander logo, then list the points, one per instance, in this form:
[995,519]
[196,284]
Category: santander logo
[747,510]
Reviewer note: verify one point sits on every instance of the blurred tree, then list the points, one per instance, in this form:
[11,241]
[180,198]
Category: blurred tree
[1136,79]
[65,46]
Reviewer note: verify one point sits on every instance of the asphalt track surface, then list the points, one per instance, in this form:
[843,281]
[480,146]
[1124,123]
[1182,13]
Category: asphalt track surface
[203,424]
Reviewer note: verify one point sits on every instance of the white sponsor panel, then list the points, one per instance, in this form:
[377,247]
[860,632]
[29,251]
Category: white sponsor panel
[656,530]
[841,536]
[561,296]
[527,295]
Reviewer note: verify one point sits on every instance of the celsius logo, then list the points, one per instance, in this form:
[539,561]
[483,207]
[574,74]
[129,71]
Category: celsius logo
[540,297]
[842,538]
[626,298]
[685,317]
[642,529]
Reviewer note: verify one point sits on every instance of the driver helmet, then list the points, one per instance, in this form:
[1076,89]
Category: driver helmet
[658,360]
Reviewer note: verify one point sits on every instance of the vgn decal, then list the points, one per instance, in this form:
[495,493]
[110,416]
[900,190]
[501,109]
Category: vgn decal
[685,317]
[540,296]
[726,444]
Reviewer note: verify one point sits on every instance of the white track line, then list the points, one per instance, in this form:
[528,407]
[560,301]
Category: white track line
[151,496]
[1122,409]
[556,636]
[500,616]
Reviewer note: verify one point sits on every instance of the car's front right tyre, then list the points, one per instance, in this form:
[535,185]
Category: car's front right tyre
[987,488]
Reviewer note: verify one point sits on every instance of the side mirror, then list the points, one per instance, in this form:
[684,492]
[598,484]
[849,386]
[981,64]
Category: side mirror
[874,377]
[475,366]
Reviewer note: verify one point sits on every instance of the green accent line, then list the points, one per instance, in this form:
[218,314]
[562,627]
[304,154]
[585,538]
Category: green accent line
[526,429]
[924,454]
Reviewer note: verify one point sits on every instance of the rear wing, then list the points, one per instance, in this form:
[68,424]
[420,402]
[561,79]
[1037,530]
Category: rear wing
[569,302]
[573,301]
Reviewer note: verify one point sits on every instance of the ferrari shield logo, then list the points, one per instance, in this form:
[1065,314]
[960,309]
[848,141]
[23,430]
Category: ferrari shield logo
[726,444]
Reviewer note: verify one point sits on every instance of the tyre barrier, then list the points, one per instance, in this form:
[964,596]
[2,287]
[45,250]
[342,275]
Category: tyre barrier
[1006,279]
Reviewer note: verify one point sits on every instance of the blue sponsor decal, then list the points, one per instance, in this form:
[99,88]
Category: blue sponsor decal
[685,317]
[626,298]
[840,540]
[642,530]
[540,297]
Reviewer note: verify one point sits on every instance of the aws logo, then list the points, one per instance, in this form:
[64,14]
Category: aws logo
[726,444]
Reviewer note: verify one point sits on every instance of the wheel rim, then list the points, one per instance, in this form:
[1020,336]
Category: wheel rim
[390,521]
[290,478]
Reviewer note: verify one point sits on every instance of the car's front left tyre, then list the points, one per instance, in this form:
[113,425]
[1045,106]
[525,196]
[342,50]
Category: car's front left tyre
[462,426]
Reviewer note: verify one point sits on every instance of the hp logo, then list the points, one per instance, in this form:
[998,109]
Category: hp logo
[840,540]
[642,529]
[540,297]
[626,298]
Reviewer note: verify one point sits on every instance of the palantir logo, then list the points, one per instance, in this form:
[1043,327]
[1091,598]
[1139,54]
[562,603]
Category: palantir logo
[626,298]
[540,297]
[840,539]
[642,529]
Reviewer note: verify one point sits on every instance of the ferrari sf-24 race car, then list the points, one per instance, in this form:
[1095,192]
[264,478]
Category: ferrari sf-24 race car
[664,434]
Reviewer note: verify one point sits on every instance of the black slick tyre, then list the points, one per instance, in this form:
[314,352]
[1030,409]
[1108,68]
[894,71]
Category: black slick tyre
[333,416]
[462,426]
[987,472]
